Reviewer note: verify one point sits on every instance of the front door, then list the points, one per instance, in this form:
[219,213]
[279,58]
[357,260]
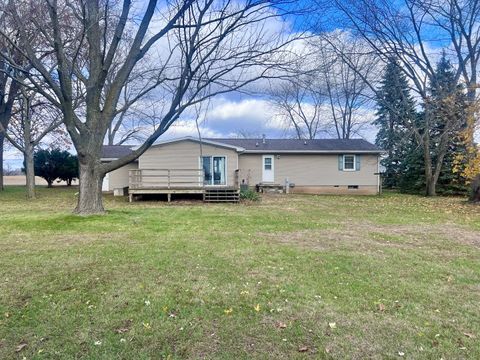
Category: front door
[268,175]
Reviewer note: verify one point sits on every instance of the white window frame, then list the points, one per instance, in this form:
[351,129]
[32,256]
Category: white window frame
[354,162]
[211,164]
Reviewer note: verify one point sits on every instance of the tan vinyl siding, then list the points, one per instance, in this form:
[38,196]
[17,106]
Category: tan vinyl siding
[310,170]
[335,190]
[119,178]
[186,155]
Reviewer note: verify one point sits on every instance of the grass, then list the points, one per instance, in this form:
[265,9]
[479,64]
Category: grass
[290,277]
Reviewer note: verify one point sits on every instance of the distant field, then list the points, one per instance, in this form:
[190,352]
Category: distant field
[20,180]
[307,277]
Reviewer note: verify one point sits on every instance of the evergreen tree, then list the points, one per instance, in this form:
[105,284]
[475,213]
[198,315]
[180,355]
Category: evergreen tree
[449,101]
[448,107]
[69,169]
[55,164]
[412,168]
[395,107]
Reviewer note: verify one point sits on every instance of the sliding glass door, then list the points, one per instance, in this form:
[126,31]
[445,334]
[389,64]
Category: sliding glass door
[214,170]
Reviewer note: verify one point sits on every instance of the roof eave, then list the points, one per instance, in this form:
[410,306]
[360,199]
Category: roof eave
[113,159]
[314,151]
[203,141]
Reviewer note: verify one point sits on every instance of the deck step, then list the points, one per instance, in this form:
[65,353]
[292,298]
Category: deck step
[221,195]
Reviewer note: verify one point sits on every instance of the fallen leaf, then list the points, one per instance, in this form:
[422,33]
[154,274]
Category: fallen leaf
[381,307]
[281,325]
[469,335]
[228,311]
[302,349]
[122,330]
[20,347]
[257,307]
[400,353]
[125,327]
[332,325]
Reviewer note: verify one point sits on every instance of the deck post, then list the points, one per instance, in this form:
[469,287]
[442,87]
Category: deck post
[130,197]
[169,197]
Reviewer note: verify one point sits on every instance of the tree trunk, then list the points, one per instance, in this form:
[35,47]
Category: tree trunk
[29,171]
[430,183]
[475,195]
[2,143]
[90,185]
[430,187]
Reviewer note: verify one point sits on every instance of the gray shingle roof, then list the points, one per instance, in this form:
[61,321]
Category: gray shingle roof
[285,145]
[115,151]
[270,145]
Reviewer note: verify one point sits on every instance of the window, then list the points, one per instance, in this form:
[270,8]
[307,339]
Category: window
[352,187]
[214,170]
[349,162]
[268,163]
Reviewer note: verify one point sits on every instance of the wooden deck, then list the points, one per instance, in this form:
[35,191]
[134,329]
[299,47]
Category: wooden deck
[178,181]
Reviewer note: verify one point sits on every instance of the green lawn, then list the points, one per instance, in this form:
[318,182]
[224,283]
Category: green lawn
[339,277]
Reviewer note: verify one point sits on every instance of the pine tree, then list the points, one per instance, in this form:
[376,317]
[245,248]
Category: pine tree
[449,102]
[395,107]
[412,179]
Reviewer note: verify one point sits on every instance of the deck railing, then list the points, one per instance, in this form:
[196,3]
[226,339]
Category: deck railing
[166,178]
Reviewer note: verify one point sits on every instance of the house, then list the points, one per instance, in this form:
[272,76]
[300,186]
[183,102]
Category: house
[190,165]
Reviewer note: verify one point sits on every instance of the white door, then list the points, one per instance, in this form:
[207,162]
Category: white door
[268,175]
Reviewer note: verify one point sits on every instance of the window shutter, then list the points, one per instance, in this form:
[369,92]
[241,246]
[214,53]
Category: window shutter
[340,162]
[357,165]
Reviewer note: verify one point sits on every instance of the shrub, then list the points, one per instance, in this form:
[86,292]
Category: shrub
[250,195]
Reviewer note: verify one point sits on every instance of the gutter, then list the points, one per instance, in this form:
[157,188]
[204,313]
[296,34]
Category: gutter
[273,151]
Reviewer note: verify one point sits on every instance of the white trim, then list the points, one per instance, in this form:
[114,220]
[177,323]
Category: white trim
[354,163]
[113,159]
[203,141]
[272,170]
[211,164]
[106,183]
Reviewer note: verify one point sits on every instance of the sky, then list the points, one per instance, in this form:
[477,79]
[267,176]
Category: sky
[229,115]
[238,114]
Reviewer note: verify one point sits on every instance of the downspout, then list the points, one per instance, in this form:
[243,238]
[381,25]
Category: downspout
[379,184]
[201,150]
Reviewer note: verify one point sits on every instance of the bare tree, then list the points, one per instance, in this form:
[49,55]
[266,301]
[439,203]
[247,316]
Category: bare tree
[32,122]
[8,93]
[346,88]
[202,48]
[404,31]
[299,103]
[327,95]
[9,87]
